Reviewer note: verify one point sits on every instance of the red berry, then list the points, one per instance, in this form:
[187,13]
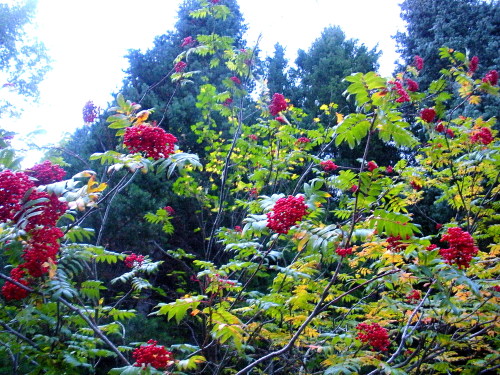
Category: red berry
[46,173]
[152,354]
[286,213]
[373,335]
[328,165]
[278,104]
[152,140]
[371,166]
[134,260]
[428,114]
[462,248]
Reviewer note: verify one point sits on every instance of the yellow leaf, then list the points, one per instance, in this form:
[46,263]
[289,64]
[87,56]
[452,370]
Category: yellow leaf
[52,268]
[141,116]
[340,117]
[393,257]
[474,99]
[302,243]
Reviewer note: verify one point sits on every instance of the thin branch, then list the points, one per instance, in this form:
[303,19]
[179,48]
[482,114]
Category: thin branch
[19,335]
[108,208]
[73,308]
[405,334]
[317,310]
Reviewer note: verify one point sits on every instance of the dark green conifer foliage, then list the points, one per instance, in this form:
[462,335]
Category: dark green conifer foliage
[471,25]
[463,25]
[319,80]
[148,82]
[321,70]
[147,78]
[277,73]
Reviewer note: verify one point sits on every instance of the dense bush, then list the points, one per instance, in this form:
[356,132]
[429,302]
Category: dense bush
[306,266]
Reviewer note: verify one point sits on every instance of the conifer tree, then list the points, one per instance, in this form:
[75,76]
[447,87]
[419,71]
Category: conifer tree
[322,68]
[278,75]
[148,82]
[464,25]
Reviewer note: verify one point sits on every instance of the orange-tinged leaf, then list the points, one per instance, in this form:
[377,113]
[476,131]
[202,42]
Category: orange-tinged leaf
[85,174]
[195,312]
[52,268]
[141,117]
[340,117]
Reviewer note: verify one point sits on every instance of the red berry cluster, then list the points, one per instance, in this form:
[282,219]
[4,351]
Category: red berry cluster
[254,193]
[286,213]
[134,260]
[328,165]
[415,185]
[461,249]
[303,140]
[187,41]
[280,119]
[50,210]
[342,251]
[13,292]
[46,173]
[373,335]
[428,114]
[180,66]
[169,210]
[13,186]
[418,62]
[473,64]
[414,296]
[483,135]
[491,77]
[400,91]
[152,140]
[235,80]
[395,245]
[155,355]
[411,85]
[253,137]
[228,102]
[371,166]
[42,244]
[90,112]
[278,104]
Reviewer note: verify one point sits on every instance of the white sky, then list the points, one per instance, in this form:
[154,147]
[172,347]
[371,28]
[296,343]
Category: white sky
[88,39]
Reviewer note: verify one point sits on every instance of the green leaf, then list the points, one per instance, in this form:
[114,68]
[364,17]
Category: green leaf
[179,308]
[92,288]
[120,124]
[352,130]
[190,363]
[393,224]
